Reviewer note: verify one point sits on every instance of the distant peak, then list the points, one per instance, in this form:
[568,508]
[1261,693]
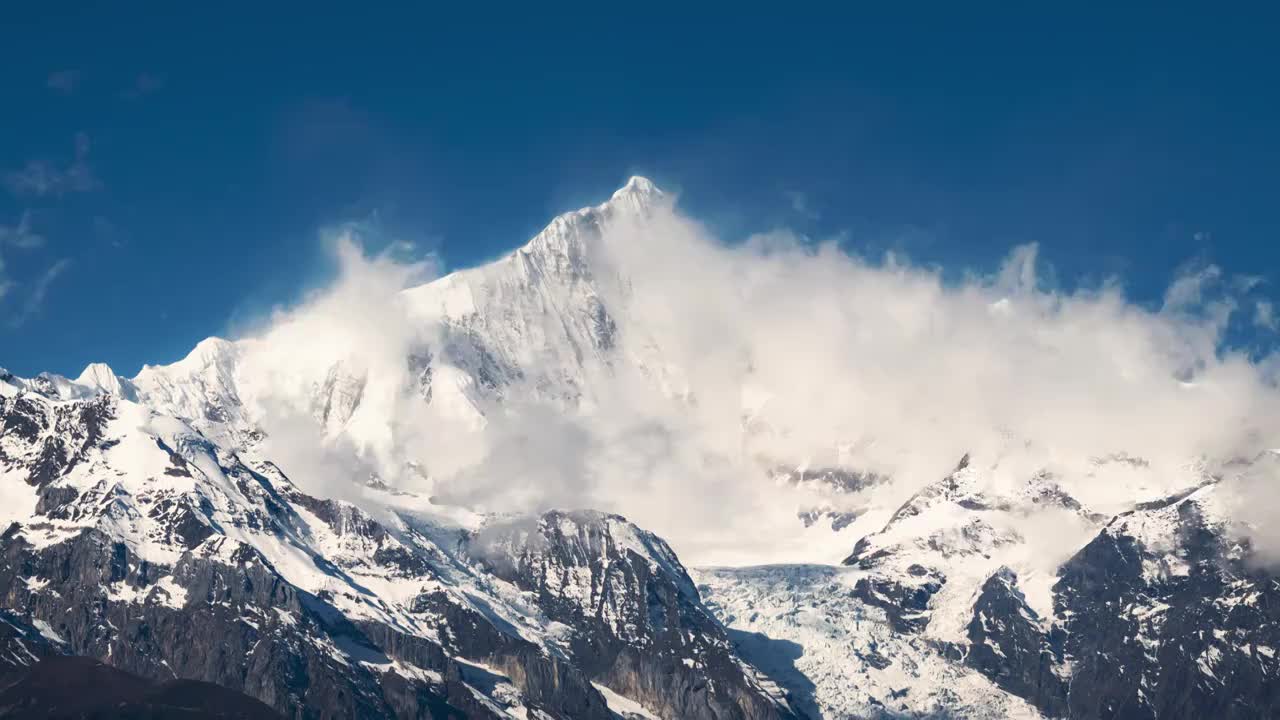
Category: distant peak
[95,373]
[637,199]
[212,345]
[99,377]
[639,195]
[637,185]
[210,351]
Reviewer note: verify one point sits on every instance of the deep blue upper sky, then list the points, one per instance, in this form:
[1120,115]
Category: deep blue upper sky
[176,168]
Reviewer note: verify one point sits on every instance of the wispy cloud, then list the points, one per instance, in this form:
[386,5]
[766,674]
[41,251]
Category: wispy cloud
[41,178]
[800,204]
[1264,315]
[21,235]
[39,291]
[65,82]
[144,84]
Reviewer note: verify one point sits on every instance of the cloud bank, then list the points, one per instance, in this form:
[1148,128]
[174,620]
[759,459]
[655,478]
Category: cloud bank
[733,360]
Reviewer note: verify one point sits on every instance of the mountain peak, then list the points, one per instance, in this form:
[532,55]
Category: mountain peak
[99,377]
[95,372]
[639,186]
[212,352]
[639,195]
[209,351]
[638,198]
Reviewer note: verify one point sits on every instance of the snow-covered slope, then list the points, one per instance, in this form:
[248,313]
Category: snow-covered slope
[534,318]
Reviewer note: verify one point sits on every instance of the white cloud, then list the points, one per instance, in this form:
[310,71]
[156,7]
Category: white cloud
[1264,315]
[1188,290]
[40,178]
[357,322]
[878,362]
[22,235]
[1249,498]
[39,291]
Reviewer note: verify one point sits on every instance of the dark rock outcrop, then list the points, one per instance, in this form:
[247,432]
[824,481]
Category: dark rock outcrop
[79,687]
[1187,631]
[905,602]
[639,626]
[1162,615]
[1008,644]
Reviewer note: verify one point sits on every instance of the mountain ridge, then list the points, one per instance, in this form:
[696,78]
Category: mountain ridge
[153,526]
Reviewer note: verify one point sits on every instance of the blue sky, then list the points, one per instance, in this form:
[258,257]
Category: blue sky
[167,175]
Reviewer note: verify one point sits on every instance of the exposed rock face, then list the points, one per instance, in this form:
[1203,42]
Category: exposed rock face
[1169,619]
[55,438]
[638,624]
[23,644]
[1007,643]
[222,615]
[1162,616]
[905,602]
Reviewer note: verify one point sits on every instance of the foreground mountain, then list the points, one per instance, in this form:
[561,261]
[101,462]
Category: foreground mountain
[150,525]
[77,687]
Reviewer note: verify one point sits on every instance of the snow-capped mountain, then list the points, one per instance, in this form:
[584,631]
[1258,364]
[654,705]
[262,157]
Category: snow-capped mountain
[136,539]
[166,525]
